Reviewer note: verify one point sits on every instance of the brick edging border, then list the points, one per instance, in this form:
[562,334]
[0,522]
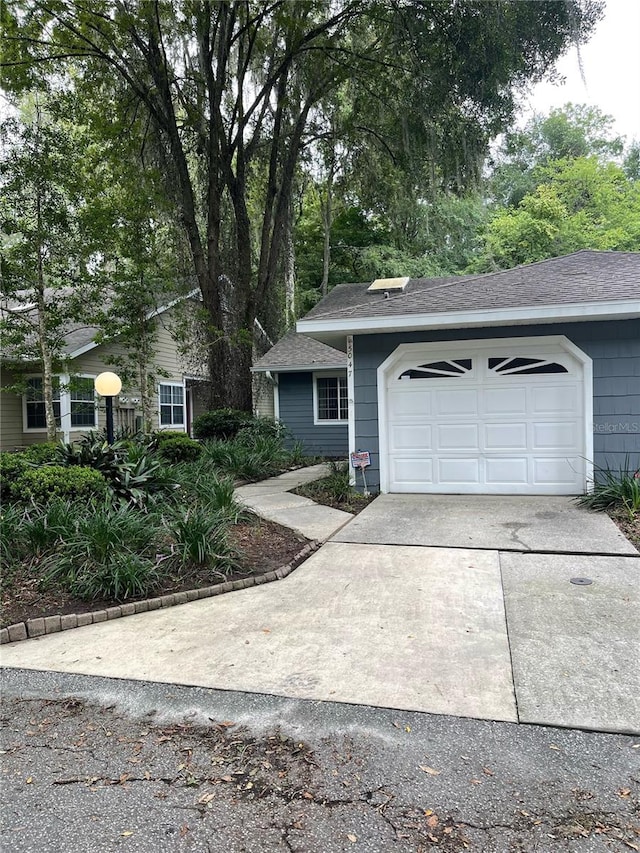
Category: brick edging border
[53,624]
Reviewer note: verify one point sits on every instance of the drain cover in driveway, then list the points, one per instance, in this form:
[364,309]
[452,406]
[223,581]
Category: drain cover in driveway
[581,581]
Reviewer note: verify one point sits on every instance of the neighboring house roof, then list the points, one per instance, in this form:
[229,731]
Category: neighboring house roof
[298,352]
[80,338]
[584,285]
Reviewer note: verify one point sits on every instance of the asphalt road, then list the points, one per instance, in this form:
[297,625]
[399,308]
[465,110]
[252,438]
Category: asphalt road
[97,764]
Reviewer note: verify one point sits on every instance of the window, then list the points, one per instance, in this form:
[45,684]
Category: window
[331,398]
[34,403]
[171,405]
[439,369]
[83,402]
[527,366]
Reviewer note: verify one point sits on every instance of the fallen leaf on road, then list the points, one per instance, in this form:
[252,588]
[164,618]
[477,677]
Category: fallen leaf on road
[307,795]
[487,772]
[352,837]
[432,821]
[623,792]
[553,746]
[126,833]
[430,770]
[206,798]
[29,780]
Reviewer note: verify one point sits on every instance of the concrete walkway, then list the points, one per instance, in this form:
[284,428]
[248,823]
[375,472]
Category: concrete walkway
[271,499]
[473,632]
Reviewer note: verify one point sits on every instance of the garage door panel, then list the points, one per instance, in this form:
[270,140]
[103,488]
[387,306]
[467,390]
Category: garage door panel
[457,471]
[507,471]
[458,437]
[554,399]
[410,402]
[505,401]
[556,470]
[412,471]
[411,437]
[556,435]
[456,402]
[505,436]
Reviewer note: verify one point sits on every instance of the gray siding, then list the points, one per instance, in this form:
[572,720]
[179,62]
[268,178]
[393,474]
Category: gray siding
[296,411]
[614,347]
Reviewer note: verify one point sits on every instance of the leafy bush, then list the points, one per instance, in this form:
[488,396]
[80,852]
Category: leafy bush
[262,428]
[110,554]
[179,448]
[131,472]
[12,465]
[614,488]
[40,485]
[221,424]
[43,454]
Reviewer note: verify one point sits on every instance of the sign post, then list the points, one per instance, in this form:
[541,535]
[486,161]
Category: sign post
[361,459]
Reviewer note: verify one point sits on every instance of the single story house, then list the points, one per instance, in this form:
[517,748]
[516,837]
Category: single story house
[521,381]
[78,409]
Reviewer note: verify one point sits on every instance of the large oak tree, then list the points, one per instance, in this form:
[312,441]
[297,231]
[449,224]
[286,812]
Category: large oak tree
[226,97]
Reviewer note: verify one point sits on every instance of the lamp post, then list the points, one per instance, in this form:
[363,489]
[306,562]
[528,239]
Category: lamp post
[108,384]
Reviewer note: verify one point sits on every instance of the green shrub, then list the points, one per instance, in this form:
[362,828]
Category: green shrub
[12,465]
[110,554]
[179,448]
[44,527]
[43,454]
[127,575]
[220,424]
[614,489]
[132,473]
[201,537]
[262,428]
[40,485]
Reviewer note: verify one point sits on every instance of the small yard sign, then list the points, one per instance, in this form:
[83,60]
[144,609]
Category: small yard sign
[360,459]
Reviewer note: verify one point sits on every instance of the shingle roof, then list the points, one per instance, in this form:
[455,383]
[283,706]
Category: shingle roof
[586,276]
[299,351]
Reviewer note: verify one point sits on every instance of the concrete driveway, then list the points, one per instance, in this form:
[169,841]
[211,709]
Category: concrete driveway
[477,631]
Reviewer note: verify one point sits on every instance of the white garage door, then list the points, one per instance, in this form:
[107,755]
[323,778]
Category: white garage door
[490,420]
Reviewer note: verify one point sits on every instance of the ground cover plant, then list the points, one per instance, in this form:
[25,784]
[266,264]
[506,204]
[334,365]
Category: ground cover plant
[335,490]
[88,525]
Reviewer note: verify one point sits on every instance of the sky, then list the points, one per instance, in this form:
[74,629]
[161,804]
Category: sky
[611,65]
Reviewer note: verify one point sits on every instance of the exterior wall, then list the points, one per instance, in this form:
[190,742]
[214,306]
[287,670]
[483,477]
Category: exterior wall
[296,411]
[104,357]
[11,436]
[614,347]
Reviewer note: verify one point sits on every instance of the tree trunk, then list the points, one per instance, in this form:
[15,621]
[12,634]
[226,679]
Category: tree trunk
[327,221]
[289,271]
[45,349]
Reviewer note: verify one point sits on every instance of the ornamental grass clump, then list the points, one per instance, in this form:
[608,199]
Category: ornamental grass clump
[201,537]
[111,553]
[614,488]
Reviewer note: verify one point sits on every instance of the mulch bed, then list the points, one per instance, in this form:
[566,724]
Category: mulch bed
[353,504]
[264,546]
[629,526]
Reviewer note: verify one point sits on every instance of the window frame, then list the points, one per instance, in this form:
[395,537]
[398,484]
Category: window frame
[181,427]
[25,402]
[70,402]
[65,401]
[340,377]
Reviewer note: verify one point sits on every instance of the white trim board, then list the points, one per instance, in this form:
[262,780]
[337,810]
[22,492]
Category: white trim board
[616,309]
